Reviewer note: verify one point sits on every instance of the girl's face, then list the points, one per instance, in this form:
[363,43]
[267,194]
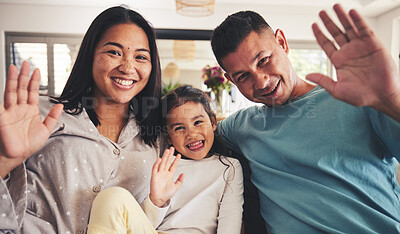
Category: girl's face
[122,63]
[190,130]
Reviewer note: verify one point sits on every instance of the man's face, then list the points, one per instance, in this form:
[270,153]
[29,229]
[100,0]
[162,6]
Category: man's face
[261,69]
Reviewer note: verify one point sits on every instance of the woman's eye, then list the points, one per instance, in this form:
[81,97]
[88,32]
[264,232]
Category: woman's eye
[141,57]
[114,52]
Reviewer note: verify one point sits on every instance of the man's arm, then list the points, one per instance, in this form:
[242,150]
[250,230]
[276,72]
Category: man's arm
[366,72]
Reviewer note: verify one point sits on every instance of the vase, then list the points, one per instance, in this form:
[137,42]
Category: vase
[219,101]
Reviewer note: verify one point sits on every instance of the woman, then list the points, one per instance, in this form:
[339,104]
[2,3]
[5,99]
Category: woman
[104,137]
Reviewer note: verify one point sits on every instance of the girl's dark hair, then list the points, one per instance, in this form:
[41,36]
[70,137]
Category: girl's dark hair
[182,95]
[233,30]
[77,93]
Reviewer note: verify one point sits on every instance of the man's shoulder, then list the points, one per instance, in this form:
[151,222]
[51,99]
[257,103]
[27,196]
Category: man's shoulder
[245,113]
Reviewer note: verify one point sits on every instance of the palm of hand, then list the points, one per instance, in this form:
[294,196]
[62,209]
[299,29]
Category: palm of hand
[162,185]
[366,73]
[22,131]
[362,67]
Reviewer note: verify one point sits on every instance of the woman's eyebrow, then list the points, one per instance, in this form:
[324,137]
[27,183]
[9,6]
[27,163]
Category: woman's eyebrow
[114,44]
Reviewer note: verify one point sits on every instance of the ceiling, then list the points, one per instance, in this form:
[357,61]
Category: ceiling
[369,8]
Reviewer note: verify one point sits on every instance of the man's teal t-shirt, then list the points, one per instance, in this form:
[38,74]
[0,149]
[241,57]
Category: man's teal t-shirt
[320,165]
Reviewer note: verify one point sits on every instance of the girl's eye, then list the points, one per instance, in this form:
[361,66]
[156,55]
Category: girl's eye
[114,52]
[178,128]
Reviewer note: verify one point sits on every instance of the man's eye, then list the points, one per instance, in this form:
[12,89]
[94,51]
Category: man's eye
[114,52]
[242,78]
[263,60]
[198,122]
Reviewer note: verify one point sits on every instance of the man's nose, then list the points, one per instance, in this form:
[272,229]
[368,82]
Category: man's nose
[261,80]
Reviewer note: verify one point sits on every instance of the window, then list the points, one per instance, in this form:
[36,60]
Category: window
[53,54]
[308,57]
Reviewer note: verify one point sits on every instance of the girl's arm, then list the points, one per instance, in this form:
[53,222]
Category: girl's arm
[231,208]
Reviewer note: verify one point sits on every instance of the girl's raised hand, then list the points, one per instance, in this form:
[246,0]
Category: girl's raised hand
[22,131]
[162,185]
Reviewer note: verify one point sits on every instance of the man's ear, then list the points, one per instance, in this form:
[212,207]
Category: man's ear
[281,40]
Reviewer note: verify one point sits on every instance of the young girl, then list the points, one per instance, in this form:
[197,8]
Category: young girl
[208,201]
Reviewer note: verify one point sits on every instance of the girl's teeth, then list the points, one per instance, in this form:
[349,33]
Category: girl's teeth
[194,144]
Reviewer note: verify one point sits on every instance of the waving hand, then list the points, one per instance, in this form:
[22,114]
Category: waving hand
[162,185]
[22,132]
[366,73]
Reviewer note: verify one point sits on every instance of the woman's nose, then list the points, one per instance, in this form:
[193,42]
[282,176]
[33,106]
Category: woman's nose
[127,66]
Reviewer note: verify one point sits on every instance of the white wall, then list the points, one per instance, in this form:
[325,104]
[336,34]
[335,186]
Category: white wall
[75,20]
[388,30]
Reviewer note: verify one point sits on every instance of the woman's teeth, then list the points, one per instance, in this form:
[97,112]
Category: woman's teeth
[123,82]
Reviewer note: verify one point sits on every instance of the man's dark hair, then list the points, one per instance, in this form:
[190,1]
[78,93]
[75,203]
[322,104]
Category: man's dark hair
[233,30]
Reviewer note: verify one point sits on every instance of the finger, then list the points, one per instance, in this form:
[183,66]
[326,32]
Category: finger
[156,166]
[179,181]
[344,18]
[33,88]
[1,108]
[333,29]
[363,29]
[324,81]
[10,93]
[163,160]
[23,81]
[168,159]
[52,118]
[327,46]
[175,163]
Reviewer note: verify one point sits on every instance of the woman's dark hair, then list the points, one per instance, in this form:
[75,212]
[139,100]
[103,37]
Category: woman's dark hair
[233,30]
[78,91]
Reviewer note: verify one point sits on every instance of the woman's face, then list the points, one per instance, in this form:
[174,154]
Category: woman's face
[122,63]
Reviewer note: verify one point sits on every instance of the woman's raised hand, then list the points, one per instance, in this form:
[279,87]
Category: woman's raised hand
[162,185]
[22,131]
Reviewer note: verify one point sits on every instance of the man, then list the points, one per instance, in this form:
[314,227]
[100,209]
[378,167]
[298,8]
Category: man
[319,164]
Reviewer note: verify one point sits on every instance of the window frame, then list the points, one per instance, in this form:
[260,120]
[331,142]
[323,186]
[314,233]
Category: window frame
[47,38]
